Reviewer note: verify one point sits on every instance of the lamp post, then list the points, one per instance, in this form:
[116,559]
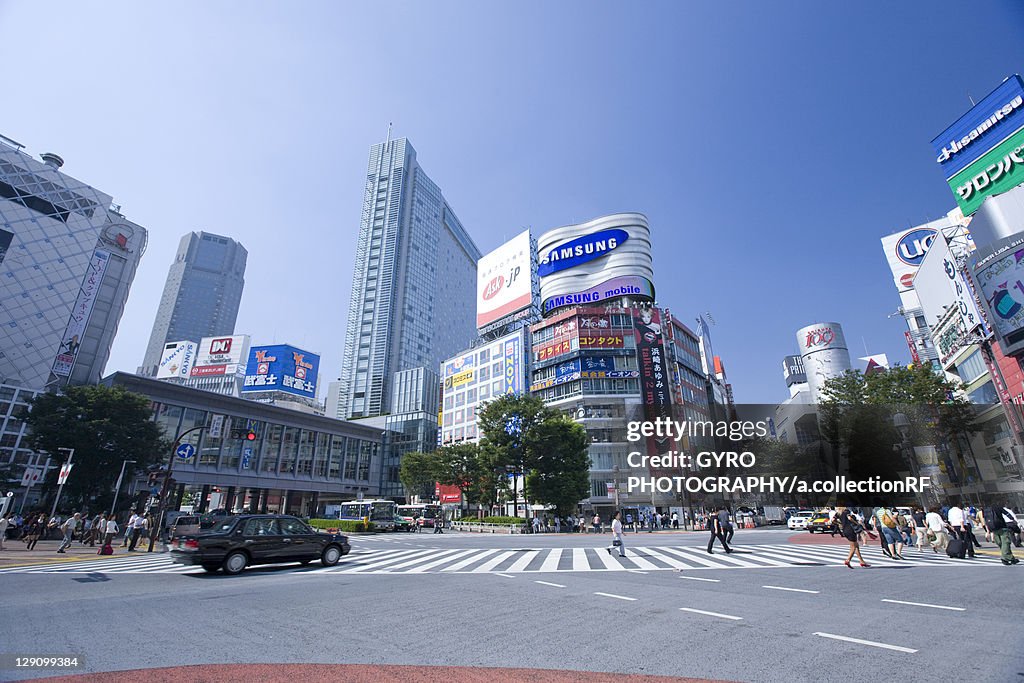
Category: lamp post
[60,488]
[902,424]
[615,475]
[163,489]
[117,487]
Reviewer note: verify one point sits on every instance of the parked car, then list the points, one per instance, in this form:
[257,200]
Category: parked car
[799,519]
[235,543]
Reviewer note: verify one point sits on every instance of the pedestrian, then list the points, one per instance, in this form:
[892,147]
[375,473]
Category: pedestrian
[98,527]
[629,521]
[617,538]
[558,524]
[996,517]
[128,529]
[718,530]
[850,529]
[139,529]
[675,520]
[888,528]
[956,516]
[727,525]
[4,523]
[111,530]
[582,522]
[68,527]
[439,524]
[597,524]
[936,530]
[86,531]
[920,528]
[33,531]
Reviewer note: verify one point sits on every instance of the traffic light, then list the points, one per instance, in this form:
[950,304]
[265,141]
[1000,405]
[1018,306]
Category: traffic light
[243,434]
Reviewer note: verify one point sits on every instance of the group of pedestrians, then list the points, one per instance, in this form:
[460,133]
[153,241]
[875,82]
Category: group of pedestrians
[954,534]
[99,529]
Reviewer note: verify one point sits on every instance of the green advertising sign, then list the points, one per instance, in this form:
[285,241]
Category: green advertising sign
[999,170]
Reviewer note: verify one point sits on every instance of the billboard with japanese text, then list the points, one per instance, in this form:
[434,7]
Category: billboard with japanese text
[504,280]
[282,367]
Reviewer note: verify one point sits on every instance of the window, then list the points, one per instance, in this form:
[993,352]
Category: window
[261,527]
[291,526]
[971,368]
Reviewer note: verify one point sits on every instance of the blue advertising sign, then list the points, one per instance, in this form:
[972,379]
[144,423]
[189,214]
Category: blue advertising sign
[603,363]
[281,367]
[580,250]
[512,353]
[998,116]
[572,367]
[246,458]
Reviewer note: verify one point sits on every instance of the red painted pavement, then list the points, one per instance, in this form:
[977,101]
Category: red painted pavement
[291,673]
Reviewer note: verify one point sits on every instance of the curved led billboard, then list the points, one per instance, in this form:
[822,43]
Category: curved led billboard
[998,272]
[605,258]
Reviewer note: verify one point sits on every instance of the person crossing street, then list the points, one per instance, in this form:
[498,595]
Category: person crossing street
[617,538]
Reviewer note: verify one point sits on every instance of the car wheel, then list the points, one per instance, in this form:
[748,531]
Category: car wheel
[211,567]
[330,556]
[235,562]
[811,530]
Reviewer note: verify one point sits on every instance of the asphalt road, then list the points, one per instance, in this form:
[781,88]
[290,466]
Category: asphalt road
[762,623]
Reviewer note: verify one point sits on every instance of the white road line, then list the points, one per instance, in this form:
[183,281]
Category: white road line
[865,642]
[548,583]
[606,559]
[710,614]
[390,556]
[493,562]
[925,604]
[579,560]
[430,565]
[792,590]
[636,571]
[700,578]
[524,561]
[507,576]
[617,597]
[694,557]
[640,562]
[551,561]
[470,560]
[672,562]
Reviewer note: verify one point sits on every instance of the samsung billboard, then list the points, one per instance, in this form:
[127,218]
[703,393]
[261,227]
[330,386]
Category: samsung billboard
[281,367]
[603,259]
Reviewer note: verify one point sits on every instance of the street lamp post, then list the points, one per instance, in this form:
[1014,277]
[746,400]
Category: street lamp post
[117,487]
[163,489]
[60,488]
[615,473]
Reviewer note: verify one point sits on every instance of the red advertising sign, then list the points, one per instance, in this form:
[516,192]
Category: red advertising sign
[551,350]
[447,494]
[205,370]
[914,356]
[654,381]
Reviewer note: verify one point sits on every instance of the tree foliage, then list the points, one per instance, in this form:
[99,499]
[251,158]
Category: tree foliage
[559,473]
[105,426]
[418,472]
[470,468]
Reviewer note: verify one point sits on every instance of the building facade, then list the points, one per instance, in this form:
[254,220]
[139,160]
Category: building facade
[413,283]
[298,464]
[201,296]
[67,260]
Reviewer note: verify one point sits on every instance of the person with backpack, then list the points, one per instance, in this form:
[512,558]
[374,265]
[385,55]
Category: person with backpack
[68,527]
[937,535]
[892,544]
[995,519]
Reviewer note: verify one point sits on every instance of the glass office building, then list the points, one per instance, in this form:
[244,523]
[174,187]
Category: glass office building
[413,286]
[201,296]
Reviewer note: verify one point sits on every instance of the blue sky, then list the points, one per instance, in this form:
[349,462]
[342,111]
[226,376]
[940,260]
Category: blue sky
[771,145]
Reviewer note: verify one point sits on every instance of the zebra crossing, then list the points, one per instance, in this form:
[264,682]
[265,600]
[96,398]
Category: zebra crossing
[546,560]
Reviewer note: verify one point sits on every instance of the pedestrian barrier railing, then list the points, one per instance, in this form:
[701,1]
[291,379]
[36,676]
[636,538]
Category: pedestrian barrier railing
[487,528]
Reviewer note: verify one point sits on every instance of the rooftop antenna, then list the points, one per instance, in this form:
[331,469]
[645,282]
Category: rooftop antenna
[389,133]
[971,99]
[865,343]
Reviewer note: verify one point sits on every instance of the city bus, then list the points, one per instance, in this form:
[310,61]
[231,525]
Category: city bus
[425,513]
[380,513]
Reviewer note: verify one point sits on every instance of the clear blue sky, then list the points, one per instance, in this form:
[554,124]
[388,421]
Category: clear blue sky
[771,144]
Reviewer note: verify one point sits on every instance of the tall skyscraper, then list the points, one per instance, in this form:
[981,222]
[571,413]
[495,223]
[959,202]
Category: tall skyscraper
[67,260]
[414,283]
[201,296]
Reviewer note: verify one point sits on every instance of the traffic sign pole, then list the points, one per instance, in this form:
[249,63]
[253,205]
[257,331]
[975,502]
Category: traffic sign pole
[60,488]
[167,478]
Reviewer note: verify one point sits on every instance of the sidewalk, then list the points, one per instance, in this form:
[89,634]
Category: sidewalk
[45,552]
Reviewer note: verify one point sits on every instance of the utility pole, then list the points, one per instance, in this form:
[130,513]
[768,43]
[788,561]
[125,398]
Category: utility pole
[60,488]
[163,490]
[117,487]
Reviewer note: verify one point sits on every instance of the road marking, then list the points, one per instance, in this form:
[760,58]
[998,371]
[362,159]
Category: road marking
[700,578]
[925,604]
[521,564]
[579,560]
[507,576]
[675,564]
[473,558]
[548,583]
[636,571]
[865,642]
[793,590]
[710,614]
[493,562]
[640,562]
[618,597]
[424,567]
[550,563]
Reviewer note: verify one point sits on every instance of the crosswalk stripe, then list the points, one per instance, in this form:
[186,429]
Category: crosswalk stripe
[386,560]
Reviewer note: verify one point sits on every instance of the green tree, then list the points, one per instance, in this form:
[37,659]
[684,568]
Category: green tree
[560,464]
[418,472]
[105,426]
[504,424]
[469,467]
